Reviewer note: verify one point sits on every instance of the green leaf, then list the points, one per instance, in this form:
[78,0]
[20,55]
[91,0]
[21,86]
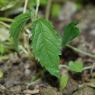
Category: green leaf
[70,32]
[46,45]
[76,66]
[63,81]
[17,26]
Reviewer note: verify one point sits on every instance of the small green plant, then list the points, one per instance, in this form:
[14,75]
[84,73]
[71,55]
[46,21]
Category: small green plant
[46,42]
[76,66]
[64,81]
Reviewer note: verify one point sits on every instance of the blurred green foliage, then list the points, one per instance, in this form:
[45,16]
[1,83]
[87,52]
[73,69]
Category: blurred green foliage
[55,10]
[63,81]
[76,66]
[43,2]
[2,48]
[6,4]
[33,2]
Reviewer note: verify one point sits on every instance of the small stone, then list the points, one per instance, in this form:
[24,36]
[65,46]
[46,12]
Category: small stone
[92,32]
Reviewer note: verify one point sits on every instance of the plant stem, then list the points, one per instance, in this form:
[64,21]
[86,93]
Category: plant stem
[6,25]
[89,67]
[25,6]
[37,8]
[85,68]
[6,19]
[63,66]
[81,52]
[25,39]
[47,14]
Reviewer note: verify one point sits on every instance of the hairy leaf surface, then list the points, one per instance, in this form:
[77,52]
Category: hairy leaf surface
[76,66]
[18,25]
[70,32]
[46,45]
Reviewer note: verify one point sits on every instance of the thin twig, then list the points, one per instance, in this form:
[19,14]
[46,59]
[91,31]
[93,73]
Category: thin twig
[47,14]
[88,67]
[85,68]
[37,8]
[6,19]
[63,66]
[81,52]
[25,6]
[24,34]
[31,92]
[6,25]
